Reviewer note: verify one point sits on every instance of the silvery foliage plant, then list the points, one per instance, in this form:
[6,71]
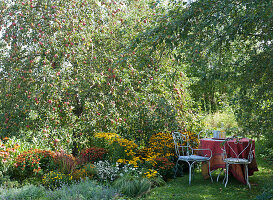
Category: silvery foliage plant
[106,171]
[129,169]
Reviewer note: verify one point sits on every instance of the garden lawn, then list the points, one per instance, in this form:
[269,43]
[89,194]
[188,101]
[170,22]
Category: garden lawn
[203,189]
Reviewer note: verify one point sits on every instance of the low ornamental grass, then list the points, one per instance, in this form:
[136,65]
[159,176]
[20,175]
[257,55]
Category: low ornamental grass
[65,163]
[83,190]
[133,186]
[27,192]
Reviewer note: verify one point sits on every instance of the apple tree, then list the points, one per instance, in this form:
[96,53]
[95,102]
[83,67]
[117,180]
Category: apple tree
[69,69]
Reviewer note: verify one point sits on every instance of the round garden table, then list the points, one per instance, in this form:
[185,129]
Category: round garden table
[216,162]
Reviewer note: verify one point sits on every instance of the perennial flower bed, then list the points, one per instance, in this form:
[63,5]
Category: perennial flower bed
[112,159]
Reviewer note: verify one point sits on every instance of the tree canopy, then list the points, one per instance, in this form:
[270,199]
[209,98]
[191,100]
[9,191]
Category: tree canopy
[226,46]
[68,70]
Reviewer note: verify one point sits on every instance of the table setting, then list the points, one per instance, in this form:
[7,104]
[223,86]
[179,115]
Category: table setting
[216,144]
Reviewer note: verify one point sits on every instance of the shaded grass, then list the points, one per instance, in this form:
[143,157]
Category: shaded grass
[203,189]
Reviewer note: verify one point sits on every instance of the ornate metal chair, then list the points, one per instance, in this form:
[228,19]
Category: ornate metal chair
[205,134]
[237,158]
[209,134]
[186,153]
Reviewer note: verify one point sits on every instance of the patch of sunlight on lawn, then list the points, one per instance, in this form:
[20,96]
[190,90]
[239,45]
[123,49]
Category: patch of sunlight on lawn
[202,189]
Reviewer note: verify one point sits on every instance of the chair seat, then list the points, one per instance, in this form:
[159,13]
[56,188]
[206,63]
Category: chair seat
[193,158]
[236,161]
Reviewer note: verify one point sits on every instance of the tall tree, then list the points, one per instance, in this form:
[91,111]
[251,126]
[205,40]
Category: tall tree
[69,71]
[227,46]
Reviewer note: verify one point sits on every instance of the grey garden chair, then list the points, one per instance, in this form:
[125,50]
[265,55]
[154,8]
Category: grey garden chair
[205,134]
[186,153]
[209,134]
[236,158]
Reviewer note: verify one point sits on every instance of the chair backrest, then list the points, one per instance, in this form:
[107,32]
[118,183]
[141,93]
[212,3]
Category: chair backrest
[230,143]
[205,134]
[181,144]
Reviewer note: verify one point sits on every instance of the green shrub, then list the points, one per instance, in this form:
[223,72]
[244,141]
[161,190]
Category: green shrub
[88,170]
[224,119]
[31,163]
[7,183]
[56,179]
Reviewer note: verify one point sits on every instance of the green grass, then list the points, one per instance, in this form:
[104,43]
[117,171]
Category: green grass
[203,189]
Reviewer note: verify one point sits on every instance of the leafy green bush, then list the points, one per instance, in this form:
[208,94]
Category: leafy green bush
[87,170]
[223,119]
[264,148]
[6,182]
[32,163]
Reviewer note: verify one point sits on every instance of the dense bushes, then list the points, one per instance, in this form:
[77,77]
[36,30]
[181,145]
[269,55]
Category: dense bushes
[33,162]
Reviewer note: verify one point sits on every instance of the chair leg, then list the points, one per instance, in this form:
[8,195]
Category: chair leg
[226,175]
[225,171]
[210,173]
[192,170]
[190,165]
[246,176]
[219,175]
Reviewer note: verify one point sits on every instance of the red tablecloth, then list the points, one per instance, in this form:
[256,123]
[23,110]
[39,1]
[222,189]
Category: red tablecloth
[216,161]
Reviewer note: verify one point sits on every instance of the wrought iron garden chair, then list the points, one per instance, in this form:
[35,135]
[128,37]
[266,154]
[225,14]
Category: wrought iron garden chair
[205,134]
[209,134]
[236,158]
[186,153]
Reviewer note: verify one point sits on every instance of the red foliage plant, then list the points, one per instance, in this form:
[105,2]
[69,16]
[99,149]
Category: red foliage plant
[92,154]
[164,167]
[66,163]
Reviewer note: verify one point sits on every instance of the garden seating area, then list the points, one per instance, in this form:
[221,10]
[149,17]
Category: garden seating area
[115,168]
